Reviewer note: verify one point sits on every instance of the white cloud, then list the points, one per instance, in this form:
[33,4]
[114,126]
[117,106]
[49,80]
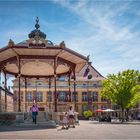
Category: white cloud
[114,47]
[106,33]
[16,35]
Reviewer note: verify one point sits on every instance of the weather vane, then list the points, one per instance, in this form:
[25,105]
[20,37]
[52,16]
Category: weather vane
[37,25]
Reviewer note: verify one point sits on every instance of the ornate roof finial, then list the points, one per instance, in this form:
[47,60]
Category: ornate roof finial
[62,44]
[11,43]
[37,32]
[37,25]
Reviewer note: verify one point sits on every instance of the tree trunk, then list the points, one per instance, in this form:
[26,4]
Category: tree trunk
[127,114]
[122,114]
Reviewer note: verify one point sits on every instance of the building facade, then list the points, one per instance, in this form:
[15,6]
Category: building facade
[53,76]
[6,100]
[86,97]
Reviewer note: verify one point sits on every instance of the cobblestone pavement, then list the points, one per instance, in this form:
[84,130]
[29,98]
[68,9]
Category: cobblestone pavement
[86,130]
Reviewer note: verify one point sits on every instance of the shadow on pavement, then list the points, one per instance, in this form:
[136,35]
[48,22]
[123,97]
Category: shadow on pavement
[23,128]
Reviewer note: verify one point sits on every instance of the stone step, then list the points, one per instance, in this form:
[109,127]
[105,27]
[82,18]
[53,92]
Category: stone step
[46,124]
[40,117]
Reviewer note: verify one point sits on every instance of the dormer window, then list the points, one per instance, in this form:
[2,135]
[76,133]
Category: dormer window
[39,84]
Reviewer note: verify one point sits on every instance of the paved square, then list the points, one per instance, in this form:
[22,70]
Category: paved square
[86,130]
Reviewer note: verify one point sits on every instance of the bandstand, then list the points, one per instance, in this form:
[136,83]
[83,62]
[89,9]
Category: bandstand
[37,57]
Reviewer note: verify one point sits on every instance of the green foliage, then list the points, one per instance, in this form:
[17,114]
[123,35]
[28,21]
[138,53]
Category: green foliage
[139,78]
[122,88]
[136,98]
[87,114]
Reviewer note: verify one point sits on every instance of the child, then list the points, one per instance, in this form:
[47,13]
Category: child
[65,121]
[71,117]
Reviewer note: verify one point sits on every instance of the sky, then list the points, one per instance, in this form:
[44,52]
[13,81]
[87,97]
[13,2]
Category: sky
[107,30]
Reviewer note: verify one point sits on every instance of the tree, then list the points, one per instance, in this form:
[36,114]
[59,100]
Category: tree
[136,98]
[87,114]
[119,88]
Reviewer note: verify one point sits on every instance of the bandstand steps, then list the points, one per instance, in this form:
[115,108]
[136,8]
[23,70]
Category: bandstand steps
[47,124]
[41,121]
[41,116]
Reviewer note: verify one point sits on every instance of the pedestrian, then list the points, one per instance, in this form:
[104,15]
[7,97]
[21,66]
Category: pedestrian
[34,113]
[65,121]
[71,117]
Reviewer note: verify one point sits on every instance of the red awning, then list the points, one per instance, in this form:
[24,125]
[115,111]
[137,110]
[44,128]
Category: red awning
[99,110]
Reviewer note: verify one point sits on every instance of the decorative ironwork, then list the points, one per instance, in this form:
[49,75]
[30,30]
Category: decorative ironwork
[37,25]
[11,43]
[62,45]
[37,31]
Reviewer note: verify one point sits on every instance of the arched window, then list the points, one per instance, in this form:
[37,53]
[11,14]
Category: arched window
[84,96]
[95,85]
[29,96]
[29,84]
[84,108]
[95,96]
[62,96]
[49,96]
[39,96]
[39,84]
[95,107]
[75,96]
[103,107]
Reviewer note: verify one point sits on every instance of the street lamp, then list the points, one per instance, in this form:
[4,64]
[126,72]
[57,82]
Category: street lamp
[89,93]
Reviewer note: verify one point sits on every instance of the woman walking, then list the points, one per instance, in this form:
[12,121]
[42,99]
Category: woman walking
[34,113]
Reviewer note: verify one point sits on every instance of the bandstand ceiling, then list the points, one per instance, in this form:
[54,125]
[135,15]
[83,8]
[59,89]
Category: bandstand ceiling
[40,61]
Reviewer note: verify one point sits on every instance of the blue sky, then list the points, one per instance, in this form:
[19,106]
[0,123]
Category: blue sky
[107,30]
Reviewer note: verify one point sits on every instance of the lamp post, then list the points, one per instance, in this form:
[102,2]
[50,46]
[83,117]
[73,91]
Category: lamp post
[89,98]
[89,93]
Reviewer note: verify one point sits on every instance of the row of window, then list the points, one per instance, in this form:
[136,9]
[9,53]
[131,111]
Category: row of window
[61,96]
[39,84]
[86,96]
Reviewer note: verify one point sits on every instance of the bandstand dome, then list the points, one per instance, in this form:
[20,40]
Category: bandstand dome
[38,56]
